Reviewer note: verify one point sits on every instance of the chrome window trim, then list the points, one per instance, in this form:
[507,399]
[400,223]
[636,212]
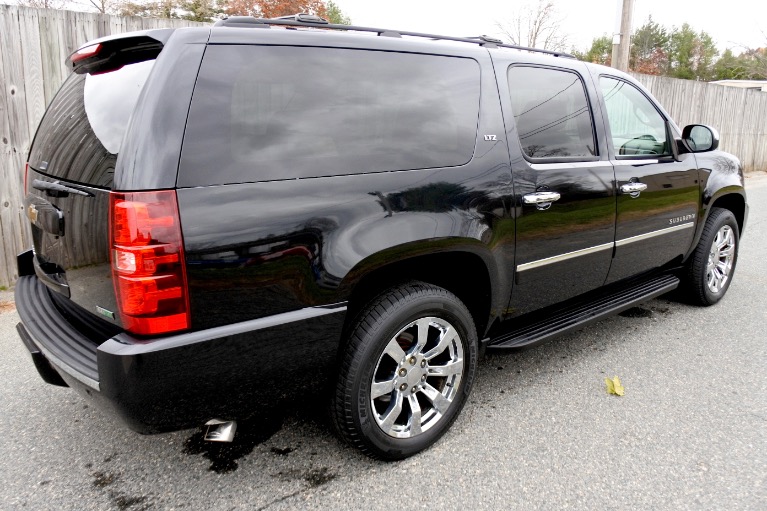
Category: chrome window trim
[652,234]
[563,257]
[628,161]
[570,165]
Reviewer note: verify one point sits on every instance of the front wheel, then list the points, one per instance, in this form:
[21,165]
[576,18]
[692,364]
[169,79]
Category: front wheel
[711,266]
[406,371]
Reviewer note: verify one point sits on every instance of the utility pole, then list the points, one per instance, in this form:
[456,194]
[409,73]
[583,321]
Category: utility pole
[622,35]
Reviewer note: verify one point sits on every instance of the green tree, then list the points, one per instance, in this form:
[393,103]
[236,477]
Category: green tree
[201,10]
[334,15]
[599,53]
[691,54]
[730,67]
[649,49]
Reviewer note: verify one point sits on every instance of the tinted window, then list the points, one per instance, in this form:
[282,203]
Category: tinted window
[81,132]
[267,113]
[551,112]
[636,126]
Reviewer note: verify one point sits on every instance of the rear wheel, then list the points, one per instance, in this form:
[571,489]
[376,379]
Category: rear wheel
[709,270]
[406,371]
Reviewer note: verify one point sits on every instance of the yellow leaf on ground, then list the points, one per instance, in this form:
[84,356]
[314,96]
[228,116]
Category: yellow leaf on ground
[614,386]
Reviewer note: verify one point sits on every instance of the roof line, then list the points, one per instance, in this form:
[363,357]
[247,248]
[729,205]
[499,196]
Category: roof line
[305,20]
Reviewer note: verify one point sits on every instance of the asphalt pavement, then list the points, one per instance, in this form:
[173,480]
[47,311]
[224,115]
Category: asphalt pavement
[540,431]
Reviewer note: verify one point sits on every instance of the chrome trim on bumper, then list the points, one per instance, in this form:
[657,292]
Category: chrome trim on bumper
[125,344]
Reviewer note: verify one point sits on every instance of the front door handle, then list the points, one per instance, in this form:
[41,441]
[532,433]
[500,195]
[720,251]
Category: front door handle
[542,200]
[633,189]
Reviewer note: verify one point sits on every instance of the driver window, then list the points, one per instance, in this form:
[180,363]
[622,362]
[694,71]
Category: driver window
[636,126]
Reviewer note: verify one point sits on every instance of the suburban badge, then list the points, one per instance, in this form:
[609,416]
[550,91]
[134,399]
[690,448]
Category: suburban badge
[679,219]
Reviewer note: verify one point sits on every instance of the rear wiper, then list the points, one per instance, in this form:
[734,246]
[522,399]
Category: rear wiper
[56,189]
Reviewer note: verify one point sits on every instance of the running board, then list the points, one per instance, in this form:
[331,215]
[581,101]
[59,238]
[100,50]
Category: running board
[580,314]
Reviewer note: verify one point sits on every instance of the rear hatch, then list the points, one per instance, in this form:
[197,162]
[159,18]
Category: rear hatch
[71,171]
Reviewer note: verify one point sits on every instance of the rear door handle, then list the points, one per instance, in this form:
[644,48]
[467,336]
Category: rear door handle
[542,200]
[633,189]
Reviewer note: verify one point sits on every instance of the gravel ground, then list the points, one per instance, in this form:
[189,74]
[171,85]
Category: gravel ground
[539,432]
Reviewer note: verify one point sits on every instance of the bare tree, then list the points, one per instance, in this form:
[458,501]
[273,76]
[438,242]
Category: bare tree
[102,6]
[759,56]
[43,4]
[150,8]
[105,6]
[536,24]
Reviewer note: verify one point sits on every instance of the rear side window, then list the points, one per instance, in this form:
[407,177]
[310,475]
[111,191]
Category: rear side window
[81,132]
[264,113]
[551,113]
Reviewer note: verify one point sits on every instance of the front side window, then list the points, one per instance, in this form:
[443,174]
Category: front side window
[551,113]
[268,113]
[636,126]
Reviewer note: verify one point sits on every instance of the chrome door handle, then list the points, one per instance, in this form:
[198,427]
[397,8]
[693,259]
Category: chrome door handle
[540,197]
[633,189]
[542,200]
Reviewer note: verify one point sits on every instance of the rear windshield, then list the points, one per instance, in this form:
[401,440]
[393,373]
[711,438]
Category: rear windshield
[268,113]
[81,132]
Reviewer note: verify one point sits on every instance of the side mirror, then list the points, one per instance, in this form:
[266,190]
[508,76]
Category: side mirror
[700,138]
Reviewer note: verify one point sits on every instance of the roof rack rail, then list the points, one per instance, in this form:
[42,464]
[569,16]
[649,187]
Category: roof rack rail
[487,39]
[308,20]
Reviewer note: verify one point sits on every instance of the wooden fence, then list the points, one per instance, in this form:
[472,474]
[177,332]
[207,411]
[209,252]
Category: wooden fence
[35,42]
[740,115]
[33,46]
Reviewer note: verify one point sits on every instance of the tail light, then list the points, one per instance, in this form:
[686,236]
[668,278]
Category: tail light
[26,174]
[147,256]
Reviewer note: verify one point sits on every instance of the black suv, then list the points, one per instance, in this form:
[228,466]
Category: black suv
[220,213]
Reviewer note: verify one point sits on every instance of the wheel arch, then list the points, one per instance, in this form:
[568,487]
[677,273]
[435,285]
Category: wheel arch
[733,201]
[722,186]
[471,281]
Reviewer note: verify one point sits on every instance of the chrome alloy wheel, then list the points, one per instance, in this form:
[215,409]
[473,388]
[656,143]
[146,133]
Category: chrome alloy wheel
[417,377]
[720,259]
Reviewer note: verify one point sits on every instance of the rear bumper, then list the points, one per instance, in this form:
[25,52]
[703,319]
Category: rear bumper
[181,380]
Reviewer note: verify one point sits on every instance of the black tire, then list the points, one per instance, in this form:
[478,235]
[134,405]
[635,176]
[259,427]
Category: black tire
[698,274]
[357,414]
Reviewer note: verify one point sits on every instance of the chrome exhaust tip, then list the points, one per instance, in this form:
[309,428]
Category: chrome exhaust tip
[218,430]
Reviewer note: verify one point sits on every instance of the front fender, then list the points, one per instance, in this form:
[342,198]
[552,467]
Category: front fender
[721,174]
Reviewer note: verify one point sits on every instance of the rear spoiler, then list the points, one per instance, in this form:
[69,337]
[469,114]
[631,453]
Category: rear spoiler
[113,52]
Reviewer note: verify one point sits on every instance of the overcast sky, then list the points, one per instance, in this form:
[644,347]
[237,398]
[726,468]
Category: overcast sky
[732,23]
